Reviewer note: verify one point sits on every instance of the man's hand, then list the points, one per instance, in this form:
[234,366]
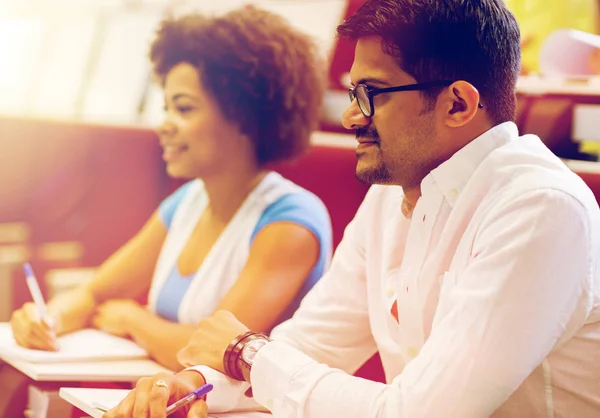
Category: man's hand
[208,344]
[152,395]
[115,315]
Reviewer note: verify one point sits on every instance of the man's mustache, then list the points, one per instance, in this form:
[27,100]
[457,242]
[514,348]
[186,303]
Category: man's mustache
[367,133]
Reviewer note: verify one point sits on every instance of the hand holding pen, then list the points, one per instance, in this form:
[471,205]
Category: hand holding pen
[174,407]
[32,326]
[165,395]
[189,398]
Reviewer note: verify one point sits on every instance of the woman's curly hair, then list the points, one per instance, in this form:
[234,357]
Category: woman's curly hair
[266,76]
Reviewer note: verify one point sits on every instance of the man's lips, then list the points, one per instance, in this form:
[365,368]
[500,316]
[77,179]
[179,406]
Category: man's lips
[367,141]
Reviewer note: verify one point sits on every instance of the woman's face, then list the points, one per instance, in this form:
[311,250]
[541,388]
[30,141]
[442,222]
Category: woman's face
[196,138]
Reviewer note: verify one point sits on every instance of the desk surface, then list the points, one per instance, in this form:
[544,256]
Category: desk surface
[105,371]
[587,167]
[83,398]
[117,370]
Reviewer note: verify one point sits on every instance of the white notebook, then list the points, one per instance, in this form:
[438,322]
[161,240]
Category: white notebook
[94,401]
[83,345]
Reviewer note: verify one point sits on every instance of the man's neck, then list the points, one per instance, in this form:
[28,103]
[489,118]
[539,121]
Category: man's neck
[411,196]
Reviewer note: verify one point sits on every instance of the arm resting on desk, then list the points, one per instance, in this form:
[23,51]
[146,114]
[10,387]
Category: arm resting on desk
[160,337]
[266,286]
[125,274]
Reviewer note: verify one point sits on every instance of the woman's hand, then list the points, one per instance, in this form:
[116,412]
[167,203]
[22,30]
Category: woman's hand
[115,316]
[31,332]
[152,395]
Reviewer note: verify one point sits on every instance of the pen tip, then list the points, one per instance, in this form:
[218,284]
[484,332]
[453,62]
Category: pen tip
[28,270]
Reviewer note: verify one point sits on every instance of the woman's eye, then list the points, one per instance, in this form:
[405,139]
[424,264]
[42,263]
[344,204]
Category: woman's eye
[184,109]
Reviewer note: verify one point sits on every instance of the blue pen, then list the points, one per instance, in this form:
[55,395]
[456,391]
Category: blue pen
[189,398]
[36,295]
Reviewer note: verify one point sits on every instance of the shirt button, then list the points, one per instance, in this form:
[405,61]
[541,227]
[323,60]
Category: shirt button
[454,192]
[412,352]
[389,292]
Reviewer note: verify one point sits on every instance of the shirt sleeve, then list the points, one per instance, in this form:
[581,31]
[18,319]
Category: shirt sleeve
[167,208]
[227,394]
[526,289]
[331,326]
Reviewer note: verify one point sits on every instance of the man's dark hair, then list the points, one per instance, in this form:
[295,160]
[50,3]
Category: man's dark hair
[477,41]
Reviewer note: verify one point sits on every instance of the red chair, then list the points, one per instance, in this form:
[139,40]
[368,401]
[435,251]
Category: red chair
[593,181]
[329,172]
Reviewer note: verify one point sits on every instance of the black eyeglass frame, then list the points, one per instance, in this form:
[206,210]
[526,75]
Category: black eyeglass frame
[373,91]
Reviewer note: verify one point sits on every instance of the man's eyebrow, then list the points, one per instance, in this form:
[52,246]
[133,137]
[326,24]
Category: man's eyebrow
[370,80]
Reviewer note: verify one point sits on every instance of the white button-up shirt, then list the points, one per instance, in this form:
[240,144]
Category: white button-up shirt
[497,282]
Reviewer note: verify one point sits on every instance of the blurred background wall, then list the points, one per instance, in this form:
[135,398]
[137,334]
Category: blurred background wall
[80,167]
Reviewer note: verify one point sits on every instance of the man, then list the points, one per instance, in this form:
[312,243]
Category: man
[477,280]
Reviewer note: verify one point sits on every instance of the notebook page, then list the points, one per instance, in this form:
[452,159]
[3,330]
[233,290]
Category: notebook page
[83,345]
[89,399]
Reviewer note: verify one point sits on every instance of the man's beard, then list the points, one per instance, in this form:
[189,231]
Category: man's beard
[379,173]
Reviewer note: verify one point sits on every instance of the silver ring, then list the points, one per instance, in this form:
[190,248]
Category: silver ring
[161,383]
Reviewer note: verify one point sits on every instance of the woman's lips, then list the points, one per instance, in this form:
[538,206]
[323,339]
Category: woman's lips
[171,152]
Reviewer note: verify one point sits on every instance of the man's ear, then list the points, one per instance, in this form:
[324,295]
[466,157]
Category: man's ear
[460,102]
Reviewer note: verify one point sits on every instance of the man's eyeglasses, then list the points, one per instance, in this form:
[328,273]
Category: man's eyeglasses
[364,94]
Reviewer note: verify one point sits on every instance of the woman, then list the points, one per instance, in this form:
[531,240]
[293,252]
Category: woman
[241,91]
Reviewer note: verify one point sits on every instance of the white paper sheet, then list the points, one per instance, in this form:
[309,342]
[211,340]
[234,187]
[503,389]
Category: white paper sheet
[84,345]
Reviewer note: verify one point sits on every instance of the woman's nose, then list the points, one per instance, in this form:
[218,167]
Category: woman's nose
[353,118]
[166,128]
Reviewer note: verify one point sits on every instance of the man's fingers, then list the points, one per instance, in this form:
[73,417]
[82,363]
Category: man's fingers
[124,408]
[140,407]
[198,410]
[159,397]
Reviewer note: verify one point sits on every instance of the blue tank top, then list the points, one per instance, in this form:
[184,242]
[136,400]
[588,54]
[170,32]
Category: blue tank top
[302,208]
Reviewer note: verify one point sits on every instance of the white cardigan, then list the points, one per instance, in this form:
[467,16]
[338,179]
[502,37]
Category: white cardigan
[225,260]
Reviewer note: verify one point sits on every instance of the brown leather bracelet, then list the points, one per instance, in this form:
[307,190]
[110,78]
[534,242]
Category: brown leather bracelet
[231,355]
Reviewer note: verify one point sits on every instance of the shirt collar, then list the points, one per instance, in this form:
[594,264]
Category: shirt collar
[451,176]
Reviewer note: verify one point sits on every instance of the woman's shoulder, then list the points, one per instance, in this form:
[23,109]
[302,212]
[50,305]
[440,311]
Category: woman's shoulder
[169,206]
[283,194]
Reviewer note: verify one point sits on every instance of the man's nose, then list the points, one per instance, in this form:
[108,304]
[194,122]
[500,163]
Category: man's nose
[353,118]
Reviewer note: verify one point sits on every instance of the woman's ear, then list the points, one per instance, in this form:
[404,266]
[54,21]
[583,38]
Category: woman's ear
[460,103]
